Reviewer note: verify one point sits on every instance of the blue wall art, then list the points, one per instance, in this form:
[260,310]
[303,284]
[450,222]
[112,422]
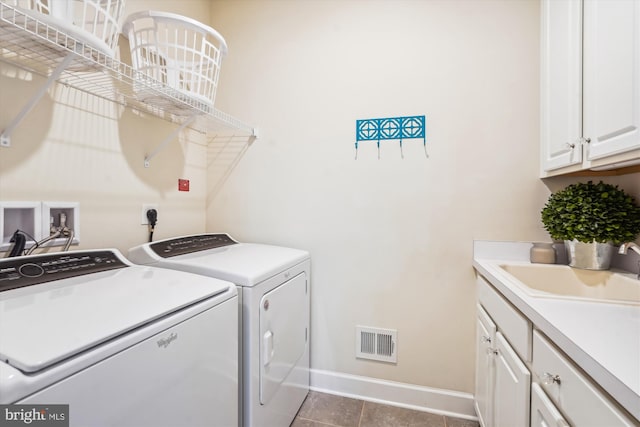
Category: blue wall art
[391,128]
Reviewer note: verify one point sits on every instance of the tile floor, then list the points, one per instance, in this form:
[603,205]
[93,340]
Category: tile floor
[322,410]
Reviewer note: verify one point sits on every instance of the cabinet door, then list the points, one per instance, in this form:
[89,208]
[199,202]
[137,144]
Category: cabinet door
[611,92]
[561,84]
[485,367]
[543,411]
[512,387]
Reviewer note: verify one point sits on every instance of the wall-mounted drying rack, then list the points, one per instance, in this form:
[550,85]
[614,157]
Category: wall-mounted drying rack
[39,48]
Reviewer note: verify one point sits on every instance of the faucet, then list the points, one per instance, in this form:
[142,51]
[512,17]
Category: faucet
[626,246]
[630,245]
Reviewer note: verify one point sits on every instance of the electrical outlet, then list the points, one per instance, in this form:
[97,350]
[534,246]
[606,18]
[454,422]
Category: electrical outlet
[145,207]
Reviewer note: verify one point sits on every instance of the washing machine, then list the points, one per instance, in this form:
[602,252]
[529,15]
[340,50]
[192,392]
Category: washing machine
[121,344]
[274,295]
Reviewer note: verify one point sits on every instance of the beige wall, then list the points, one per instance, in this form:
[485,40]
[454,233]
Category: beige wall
[79,148]
[391,239]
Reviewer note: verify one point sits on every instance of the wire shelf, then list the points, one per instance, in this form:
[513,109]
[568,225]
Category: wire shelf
[34,46]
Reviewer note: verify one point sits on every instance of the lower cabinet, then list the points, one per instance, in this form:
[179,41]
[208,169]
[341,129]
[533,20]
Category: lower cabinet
[503,382]
[485,367]
[523,380]
[513,382]
[543,411]
[573,393]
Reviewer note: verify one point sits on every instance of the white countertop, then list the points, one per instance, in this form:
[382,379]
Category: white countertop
[603,339]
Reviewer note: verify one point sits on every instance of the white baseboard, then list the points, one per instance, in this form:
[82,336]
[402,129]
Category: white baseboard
[437,401]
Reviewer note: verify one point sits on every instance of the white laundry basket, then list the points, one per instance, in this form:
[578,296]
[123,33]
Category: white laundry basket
[92,22]
[178,60]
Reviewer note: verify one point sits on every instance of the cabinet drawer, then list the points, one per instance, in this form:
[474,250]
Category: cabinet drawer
[487,329]
[571,391]
[514,326]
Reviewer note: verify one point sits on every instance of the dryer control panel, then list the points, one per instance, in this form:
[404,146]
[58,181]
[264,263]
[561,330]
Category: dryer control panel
[26,271]
[189,244]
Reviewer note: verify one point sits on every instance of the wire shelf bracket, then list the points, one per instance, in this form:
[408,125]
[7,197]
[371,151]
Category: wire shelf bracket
[44,50]
[167,140]
[5,137]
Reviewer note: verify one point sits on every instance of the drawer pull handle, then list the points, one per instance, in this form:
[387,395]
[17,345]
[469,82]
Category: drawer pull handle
[492,351]
[549,379]
[485,339]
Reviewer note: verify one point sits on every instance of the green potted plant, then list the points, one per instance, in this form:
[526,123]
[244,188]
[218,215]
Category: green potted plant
[591,218]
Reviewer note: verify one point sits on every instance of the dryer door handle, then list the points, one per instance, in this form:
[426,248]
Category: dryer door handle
[267,348]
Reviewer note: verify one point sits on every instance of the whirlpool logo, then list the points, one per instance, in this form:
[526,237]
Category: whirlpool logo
[164,342]
[35,415]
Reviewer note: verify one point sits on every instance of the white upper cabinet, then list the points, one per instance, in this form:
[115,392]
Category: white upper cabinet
[561,83]
[611,89]
[590,85]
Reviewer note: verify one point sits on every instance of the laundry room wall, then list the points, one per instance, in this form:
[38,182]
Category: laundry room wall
[391,238]
[75,147]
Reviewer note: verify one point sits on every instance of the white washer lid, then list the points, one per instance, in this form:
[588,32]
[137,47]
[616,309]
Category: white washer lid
[245,264]
[46,323]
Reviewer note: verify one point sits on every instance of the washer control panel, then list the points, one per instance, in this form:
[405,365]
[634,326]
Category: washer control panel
[189,244]
[26,271]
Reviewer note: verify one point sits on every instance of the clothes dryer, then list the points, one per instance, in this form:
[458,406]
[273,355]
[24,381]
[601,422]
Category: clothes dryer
[274,288]
[121,344]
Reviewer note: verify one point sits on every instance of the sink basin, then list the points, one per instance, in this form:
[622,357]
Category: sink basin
[562,281]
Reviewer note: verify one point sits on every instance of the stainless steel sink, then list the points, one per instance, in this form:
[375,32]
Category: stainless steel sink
[562,281]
